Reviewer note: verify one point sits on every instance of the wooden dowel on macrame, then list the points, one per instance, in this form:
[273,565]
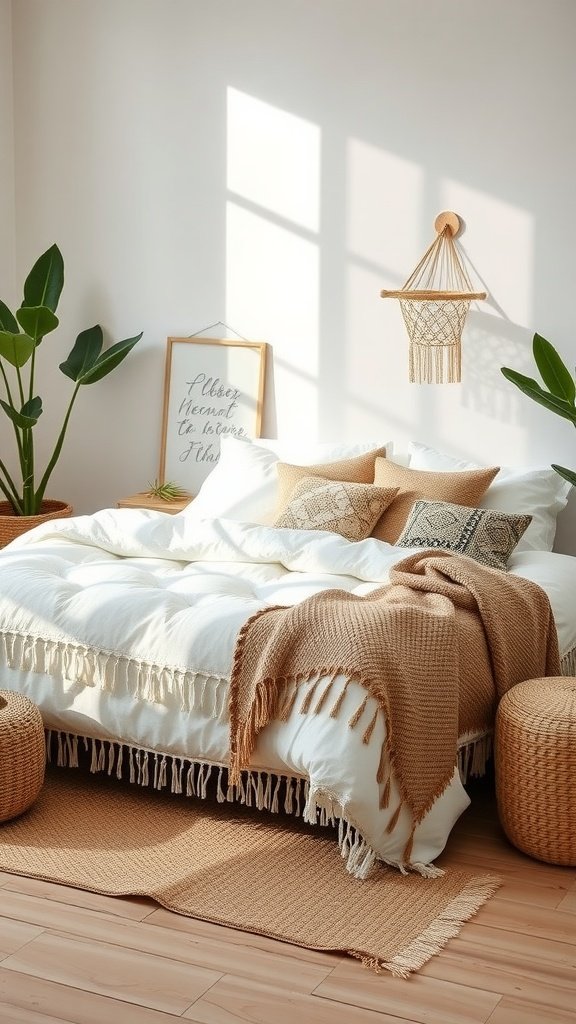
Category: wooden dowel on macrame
[422,295]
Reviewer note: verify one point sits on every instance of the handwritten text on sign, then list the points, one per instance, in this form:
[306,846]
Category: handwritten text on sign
[207,410]
[214,389]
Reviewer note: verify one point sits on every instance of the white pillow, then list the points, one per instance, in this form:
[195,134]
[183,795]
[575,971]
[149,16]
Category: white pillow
[536,491]
[244,483]
[304,453]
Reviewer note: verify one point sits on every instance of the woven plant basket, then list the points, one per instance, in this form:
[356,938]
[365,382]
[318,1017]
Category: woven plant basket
[535,763]
[12,526]
[22,754]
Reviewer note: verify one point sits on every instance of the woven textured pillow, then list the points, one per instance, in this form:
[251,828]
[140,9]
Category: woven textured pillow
[346,508]
[464,488]
[357,470]
[481,533]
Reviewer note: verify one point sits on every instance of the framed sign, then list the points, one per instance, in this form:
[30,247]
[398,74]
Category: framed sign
[212,388]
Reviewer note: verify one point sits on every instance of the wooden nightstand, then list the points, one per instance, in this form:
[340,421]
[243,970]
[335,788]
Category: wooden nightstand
[144,500]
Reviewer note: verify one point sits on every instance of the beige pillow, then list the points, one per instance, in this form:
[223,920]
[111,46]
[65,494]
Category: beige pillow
[345,508]
[481,533]
[358,470]
[462,488]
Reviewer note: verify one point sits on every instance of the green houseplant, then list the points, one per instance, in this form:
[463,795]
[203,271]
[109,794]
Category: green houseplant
[559,393]
[166,491]
[20,335]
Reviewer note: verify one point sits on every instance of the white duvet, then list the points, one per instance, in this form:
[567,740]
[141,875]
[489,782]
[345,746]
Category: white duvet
[159,600]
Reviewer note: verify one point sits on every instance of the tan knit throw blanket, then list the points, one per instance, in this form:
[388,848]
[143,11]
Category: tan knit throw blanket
[414,645]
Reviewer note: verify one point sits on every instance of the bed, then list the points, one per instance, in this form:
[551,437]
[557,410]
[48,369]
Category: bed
[122,627]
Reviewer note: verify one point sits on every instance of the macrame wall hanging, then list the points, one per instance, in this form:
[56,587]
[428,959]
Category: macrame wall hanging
[434,302]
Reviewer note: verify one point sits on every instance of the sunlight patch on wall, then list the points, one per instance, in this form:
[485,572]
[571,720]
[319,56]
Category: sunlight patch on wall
[272,283]
[272,253]
[273,159]
[376,361]
[384,210]
[501,246]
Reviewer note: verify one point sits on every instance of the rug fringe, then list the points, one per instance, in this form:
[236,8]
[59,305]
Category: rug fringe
[446,926]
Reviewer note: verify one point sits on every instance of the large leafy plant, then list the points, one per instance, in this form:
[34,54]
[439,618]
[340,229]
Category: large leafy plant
[561,394]
[20,335]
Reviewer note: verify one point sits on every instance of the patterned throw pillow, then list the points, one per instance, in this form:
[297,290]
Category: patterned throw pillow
[359,469]
[481,533]
[345,508]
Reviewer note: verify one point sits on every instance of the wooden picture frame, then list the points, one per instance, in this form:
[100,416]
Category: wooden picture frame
[213,387]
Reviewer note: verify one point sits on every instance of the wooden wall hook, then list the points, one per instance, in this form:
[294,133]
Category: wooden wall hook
[450,220]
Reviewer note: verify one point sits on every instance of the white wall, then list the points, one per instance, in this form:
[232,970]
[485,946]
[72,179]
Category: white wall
[7,203]
[274,165]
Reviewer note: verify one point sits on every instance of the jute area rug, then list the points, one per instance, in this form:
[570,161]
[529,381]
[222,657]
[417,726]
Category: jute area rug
[227,864]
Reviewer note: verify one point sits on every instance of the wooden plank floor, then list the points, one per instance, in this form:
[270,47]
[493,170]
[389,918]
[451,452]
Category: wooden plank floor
[68,955]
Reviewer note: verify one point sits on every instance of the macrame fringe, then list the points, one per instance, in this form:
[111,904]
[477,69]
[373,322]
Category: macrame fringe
[434,364]
[446,926]
[191,691]
[195,691]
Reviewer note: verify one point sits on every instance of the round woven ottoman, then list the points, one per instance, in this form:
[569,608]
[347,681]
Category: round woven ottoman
[22,754]
[535,764]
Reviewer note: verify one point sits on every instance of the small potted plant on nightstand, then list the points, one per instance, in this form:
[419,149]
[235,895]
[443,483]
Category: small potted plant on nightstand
[160,497]
[20,335]
[167,491]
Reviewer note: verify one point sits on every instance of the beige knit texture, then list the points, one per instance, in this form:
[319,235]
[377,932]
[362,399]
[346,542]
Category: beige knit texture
[462,488]
[356,470]
[444,627]
[240,868]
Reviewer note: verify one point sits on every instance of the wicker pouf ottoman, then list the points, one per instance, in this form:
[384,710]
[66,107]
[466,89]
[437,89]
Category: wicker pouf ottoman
[535,763]
[22,754]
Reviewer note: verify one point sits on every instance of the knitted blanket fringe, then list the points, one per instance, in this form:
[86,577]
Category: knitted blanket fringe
[262,789]
[448,605]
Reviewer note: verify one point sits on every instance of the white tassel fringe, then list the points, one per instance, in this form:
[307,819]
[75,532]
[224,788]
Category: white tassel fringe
[188,690]
[473,756]
[568,663]
[257,788]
